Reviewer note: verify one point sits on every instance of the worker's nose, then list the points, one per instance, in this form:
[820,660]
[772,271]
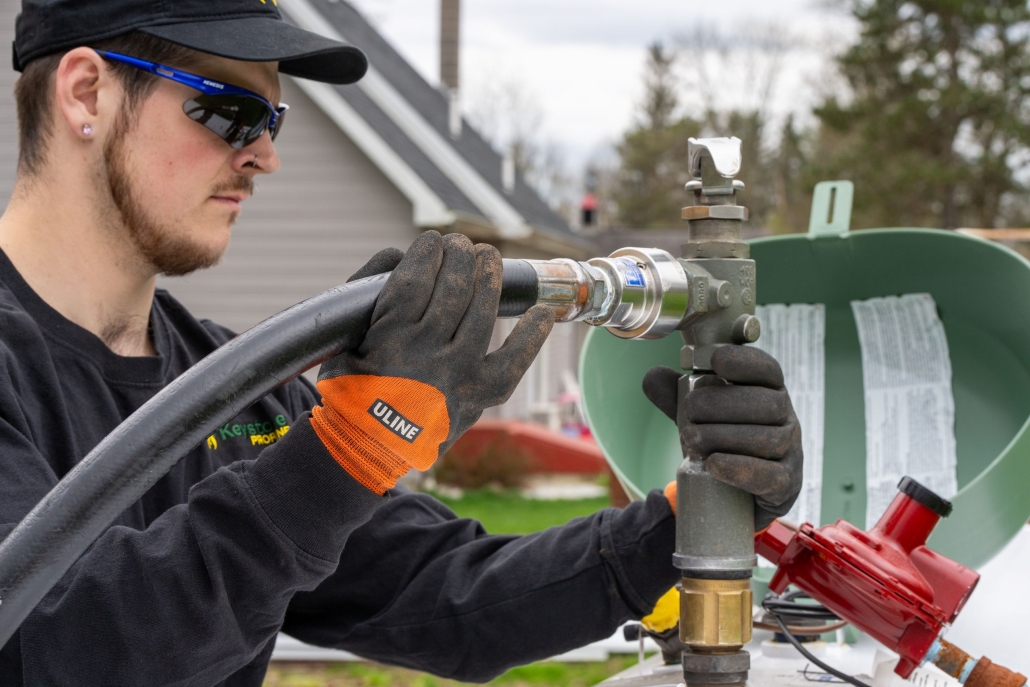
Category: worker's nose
[259,157]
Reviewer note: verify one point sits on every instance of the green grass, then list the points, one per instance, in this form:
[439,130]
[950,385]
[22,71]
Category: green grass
[565,674]
[508,513]
[374,675]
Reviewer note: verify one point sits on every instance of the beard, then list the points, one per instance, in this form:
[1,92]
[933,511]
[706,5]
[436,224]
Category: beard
[166,250]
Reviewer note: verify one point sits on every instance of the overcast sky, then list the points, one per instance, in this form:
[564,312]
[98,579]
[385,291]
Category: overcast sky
[581,61]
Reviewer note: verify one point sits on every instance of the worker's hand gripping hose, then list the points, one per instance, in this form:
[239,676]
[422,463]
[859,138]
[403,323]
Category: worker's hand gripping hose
[424,373]
[637,293]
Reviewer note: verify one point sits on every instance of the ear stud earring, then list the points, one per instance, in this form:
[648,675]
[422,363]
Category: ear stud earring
[87,130]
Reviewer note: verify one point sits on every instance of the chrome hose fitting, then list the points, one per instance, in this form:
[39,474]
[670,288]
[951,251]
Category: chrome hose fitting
[637,293]
[650,293]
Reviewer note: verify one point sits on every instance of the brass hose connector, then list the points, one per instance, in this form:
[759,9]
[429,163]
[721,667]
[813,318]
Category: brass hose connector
[715,615]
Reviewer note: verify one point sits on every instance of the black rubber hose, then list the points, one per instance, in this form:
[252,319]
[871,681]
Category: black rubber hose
[520,289]
[115,474]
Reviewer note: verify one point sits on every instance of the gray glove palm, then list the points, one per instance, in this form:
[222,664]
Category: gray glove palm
[747,431]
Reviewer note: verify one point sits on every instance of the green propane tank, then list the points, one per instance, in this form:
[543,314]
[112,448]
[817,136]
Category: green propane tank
[982,291]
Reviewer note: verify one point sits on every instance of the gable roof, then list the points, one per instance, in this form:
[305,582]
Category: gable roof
[402,122]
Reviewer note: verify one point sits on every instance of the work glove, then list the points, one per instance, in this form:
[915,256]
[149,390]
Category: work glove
[422,375]
[382,262]
[746,431]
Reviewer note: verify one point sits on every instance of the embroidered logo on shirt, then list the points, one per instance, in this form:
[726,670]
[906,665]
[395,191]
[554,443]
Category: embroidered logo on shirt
[394,421]
[258,433]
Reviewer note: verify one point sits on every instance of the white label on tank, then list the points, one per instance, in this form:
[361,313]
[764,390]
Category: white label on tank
[796,336]
[909,406]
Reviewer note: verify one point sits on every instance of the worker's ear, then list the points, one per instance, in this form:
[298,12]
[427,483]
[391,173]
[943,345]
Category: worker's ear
[87,96]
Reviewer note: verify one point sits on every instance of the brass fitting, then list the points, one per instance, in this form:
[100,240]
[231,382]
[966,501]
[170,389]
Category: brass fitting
[715,615]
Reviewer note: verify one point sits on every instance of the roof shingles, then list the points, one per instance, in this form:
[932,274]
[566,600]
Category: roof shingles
[433,107]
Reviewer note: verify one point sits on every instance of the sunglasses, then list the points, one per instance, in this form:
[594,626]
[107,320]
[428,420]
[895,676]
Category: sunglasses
[237,116]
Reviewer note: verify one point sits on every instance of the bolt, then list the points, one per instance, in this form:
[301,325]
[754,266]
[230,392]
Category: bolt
[725,294]
[687,357]
[746,329]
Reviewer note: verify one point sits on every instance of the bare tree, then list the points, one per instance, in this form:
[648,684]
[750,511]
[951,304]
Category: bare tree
[725,71]
[648,189]
[730,79]
[507,113]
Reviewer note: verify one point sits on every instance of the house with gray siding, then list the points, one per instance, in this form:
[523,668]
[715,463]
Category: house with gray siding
[364,167]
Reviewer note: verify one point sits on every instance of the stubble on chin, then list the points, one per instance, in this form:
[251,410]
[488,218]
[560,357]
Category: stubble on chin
[163,248]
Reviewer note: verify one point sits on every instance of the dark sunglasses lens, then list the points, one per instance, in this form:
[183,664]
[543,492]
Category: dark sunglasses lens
[236,119]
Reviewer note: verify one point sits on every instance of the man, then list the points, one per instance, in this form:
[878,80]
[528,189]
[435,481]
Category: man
[142,127]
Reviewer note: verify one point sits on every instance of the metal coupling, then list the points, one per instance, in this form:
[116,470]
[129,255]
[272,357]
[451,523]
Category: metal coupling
[575,290]
[715,669]
[637,293]
[650,293]
[715,615]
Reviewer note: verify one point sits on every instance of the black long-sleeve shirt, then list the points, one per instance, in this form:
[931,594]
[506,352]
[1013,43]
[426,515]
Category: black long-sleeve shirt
[259,529]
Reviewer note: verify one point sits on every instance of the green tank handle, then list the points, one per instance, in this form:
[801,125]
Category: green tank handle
[831,208]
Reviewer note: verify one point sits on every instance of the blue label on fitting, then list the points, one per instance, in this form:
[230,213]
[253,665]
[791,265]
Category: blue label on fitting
[634,277]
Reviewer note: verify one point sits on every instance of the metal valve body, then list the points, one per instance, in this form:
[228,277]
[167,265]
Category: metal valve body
[708,295]
[714,521]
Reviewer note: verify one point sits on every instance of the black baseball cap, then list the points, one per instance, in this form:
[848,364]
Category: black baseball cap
[248,30]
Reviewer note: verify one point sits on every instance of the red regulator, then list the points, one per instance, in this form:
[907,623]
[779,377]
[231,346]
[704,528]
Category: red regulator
[885,582]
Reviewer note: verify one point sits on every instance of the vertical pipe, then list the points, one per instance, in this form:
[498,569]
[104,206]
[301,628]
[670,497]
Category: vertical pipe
[450,42]
[714,521]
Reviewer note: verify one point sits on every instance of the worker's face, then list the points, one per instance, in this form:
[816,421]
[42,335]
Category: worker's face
[176,187]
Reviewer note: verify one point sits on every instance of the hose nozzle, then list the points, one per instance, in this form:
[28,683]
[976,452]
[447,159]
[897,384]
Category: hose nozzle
[637,293]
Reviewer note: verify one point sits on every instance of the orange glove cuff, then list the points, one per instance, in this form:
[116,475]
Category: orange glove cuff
[377,427]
